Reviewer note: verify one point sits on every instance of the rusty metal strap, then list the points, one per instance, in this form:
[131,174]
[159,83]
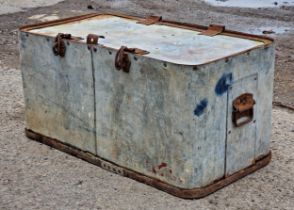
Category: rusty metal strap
[136,51]
[150,20]
[213,30]
[192,193]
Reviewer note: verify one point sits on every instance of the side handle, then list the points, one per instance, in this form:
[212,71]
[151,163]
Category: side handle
[243,109]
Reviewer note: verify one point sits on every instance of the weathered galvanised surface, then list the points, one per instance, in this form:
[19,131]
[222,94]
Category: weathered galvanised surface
[181,107]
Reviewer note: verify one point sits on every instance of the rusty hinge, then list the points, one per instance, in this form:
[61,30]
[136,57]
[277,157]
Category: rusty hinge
[243,109]
[150,20]
[93,38]
[122,61]
[213,30]
[59,47]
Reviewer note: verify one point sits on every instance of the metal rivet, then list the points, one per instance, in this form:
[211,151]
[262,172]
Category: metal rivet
[89,48]
[27,34]
[95,49]
[254,121]
[164,64]
[135,58]
[195,67]
[109,52]
[47,39]
[227,60]
[229,132]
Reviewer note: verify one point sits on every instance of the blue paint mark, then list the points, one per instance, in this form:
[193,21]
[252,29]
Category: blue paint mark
[223,84]
[200,107]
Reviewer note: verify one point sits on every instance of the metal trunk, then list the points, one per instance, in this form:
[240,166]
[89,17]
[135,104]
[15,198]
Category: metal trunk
[182,107]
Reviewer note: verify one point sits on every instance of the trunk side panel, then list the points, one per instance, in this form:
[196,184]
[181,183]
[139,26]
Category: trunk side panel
[240,151]
[145,118]
[58,91]
[219,76]
[265,94]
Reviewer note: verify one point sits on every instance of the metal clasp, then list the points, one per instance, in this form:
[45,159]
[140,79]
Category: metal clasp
[59,47]
[122,61]
[243,109]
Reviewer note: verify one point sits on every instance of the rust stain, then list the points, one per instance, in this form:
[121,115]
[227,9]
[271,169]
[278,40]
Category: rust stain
[162,165]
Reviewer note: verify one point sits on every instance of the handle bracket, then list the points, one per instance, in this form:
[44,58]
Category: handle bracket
[243,112]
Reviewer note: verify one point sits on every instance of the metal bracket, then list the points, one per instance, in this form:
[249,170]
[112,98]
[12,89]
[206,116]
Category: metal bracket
[150,20]
[243,109]
[93,38]
[122,60]
[213,30]
[59,47]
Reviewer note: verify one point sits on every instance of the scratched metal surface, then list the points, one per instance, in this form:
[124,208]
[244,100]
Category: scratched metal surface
[241,141]
[165,43]
[164,120]
[169,122]
[58,91]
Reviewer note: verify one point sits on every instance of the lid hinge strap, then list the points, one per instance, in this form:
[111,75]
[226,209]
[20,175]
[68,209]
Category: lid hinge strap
[150,20]
[213,30]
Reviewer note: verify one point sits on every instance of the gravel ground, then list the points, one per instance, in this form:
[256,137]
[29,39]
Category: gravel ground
[34,176]
[10,6]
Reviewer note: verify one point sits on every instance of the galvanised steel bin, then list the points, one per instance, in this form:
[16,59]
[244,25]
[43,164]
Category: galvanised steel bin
[182,107]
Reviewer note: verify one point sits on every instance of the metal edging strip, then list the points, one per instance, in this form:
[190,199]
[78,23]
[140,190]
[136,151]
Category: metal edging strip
[267,40]
[194,193]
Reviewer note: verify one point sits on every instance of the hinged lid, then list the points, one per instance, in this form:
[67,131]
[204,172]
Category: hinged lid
[170,42]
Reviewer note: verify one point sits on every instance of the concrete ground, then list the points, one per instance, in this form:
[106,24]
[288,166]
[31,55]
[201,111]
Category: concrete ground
[34,176]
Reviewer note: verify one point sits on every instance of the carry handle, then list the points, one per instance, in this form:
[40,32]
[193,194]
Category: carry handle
[243,109]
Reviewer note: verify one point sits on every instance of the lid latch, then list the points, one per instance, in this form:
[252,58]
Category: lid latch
[122,61]
[59,47]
